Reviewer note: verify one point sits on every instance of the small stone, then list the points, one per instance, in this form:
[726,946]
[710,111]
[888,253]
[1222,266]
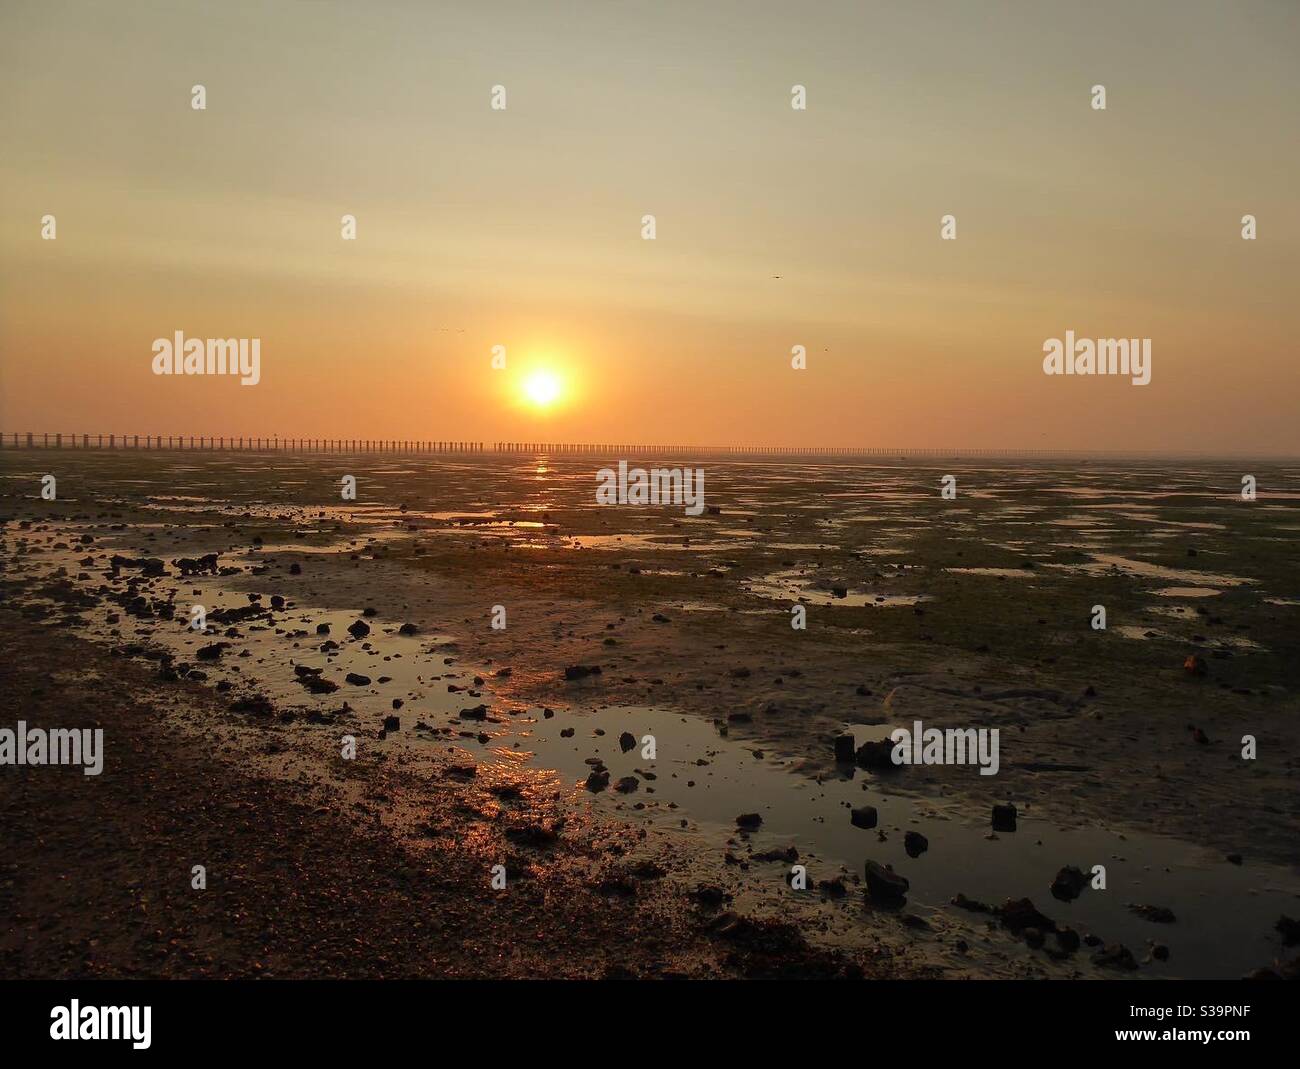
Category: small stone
[1004,818]
[863,817]
[884,884]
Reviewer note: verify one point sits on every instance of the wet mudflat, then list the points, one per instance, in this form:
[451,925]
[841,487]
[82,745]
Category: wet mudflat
[969,613]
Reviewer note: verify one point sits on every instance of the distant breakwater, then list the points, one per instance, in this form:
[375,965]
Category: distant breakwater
[405,446]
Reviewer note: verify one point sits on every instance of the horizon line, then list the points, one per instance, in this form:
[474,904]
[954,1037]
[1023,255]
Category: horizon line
[153,443]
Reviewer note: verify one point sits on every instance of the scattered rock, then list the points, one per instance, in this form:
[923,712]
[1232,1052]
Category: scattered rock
[1020,913]
[864,816]
[877,754]
[257,704]
[884,884]
[1004,818]
[1069,884]
[970,904]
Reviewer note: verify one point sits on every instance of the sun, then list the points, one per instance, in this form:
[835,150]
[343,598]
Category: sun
[542,388]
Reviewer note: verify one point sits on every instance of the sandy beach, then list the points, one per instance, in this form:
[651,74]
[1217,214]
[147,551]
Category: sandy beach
[524,747]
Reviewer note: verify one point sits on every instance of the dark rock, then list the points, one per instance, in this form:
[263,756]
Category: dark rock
[392,723]
[884,884]
[626,741]
[863,817]
[833,888]
[789,855]
[877,754]
[845,749]
[1004,818]
[357,679]
[970,904]
[597,780]
[749,820]
[708,895]
[581,671]
[1069,884]
[1020,913]
[915,844]
[317,685]
[256,704]
[359,629]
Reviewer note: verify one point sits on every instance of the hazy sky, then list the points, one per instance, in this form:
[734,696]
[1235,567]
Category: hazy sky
[479,227]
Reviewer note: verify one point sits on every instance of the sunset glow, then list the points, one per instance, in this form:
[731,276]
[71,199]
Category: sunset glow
[542,389]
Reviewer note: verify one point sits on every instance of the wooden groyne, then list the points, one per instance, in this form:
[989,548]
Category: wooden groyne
[404,446]
[153,442]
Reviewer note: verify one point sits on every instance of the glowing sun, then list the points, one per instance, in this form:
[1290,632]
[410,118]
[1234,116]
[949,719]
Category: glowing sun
[542,388]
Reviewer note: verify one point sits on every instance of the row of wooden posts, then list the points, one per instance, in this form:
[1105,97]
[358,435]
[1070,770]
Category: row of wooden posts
[33,440]
[42,440]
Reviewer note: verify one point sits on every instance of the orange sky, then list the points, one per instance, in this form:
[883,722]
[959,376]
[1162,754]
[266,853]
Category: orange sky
[522,227]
